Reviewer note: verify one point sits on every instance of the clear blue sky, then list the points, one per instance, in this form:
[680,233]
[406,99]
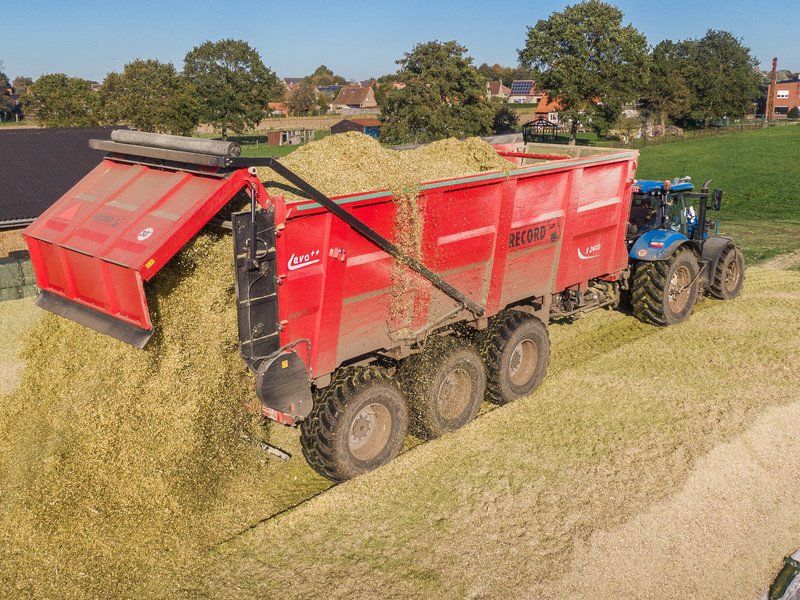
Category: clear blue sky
[357,39]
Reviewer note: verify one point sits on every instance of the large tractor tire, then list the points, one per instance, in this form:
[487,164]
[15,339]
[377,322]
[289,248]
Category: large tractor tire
[665,292]
[358,423]
[445,384]
[728,275]
[516,349]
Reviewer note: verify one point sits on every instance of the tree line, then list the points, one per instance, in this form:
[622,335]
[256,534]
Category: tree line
[583,57]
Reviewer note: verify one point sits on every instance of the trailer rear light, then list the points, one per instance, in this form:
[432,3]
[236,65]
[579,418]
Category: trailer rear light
[656,244]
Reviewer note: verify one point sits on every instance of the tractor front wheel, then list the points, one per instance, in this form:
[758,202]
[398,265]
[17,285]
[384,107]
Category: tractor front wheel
[358,423]
[665,292]
[728,275]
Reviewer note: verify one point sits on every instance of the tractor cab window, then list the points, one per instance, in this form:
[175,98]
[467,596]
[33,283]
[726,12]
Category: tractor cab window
[644,212]
[675,212]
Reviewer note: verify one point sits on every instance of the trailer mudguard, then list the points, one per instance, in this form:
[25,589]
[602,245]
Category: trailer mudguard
[658,244]
[283,385]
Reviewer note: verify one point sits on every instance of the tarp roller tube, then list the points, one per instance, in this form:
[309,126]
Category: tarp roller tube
[176,142]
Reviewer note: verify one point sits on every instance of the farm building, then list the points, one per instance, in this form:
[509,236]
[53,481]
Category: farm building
[548,109]
[523,91]
[787,96]
[278,109]
[370,127]
[355,96]
[496,89]
[289,137]
[41,165]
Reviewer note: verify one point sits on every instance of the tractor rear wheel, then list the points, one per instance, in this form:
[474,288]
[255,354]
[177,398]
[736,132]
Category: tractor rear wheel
[728,275]
[358,423]
[665,292]
[445,384]
[516,349]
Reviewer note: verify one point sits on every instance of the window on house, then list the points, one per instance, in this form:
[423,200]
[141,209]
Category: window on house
[782,94]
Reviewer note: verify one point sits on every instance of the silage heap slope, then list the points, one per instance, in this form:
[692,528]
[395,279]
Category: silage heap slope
[118,466]
[496,509]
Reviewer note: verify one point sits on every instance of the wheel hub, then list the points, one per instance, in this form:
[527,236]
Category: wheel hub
[370,431]
[522,363]
[732,274]
[454,393]
[679,289]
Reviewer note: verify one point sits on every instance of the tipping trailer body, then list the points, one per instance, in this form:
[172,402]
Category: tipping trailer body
[500,239]
[321,294]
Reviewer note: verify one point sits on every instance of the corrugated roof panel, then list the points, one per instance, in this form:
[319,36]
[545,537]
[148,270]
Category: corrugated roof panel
[38,166]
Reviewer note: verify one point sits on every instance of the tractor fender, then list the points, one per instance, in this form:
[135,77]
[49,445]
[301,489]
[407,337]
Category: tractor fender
[713,248]
[666,241]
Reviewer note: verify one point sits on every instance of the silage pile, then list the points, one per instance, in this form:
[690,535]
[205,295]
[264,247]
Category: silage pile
[120,465]
[353,162]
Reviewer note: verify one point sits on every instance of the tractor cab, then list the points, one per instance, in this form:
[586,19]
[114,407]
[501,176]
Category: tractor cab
[662,205]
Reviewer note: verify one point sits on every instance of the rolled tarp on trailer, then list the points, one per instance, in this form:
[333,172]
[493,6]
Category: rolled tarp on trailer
[176,142]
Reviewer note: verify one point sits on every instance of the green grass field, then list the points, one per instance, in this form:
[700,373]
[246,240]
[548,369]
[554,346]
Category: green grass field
[758,171]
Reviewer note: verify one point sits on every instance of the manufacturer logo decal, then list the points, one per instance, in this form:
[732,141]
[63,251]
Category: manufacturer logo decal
[144,234]
[641,252]
[303,260]
[543,232]
[589,252]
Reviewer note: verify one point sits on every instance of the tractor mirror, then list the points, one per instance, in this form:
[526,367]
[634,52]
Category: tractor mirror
[716,199]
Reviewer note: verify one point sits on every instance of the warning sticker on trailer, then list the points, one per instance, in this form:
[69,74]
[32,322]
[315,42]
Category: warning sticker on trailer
[544,232]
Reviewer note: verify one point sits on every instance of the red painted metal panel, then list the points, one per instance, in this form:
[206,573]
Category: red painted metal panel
[117,227]
[499,239]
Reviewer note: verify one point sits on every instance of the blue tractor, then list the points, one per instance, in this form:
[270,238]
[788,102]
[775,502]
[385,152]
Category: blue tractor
[676,252]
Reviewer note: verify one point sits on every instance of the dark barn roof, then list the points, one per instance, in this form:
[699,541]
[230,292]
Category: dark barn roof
[38,166]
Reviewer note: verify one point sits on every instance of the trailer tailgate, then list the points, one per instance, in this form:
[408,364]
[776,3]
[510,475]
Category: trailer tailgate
[93,249]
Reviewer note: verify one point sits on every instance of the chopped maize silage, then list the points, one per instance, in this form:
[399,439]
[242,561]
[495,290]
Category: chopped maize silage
[353,162]
[11,240]
[120,466]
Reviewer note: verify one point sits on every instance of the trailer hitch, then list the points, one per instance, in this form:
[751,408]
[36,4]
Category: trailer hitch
[364,229]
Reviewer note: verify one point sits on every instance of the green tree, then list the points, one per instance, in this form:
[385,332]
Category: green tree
[322,75]
[150,96]
[303,100]
[604,117]
[721,76]
[323,103]
[794,113]
[505,117]
[505,74]
[60,101]
[21,84]
[7,105]
[583,56]
[444,96]
[667,95]
[233,84]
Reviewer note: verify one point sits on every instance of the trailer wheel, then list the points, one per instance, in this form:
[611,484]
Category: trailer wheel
[516,347]
[358,423]
[445,384]
[665,292]
[728,275]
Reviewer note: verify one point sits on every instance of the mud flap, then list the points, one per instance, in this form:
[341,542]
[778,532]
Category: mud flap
[282,384]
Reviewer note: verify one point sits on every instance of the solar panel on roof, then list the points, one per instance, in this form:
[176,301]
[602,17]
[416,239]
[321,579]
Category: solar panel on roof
[521,88]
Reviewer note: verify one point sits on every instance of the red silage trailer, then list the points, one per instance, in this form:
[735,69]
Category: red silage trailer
[348,335]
